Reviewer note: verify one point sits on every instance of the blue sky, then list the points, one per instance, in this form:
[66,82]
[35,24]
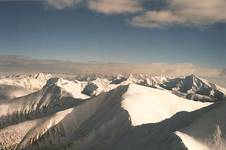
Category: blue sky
[129,31]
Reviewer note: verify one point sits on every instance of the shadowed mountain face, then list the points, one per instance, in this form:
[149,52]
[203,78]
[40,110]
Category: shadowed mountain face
[117,113]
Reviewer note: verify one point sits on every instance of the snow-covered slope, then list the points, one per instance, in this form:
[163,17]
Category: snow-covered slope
[87,125]
[149,105]
[123,113]
[71,126]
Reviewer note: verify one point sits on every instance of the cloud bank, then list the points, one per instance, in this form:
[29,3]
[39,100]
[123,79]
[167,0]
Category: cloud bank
[17,64]
[174,12]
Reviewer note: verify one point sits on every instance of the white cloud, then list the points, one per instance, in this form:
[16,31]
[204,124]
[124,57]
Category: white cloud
[61,4]
[115,6]
[185,12]
[200,12]
[156,19]
[101,6]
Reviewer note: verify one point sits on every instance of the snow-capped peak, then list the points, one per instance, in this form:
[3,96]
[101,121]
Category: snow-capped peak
[195,88]
[72,88]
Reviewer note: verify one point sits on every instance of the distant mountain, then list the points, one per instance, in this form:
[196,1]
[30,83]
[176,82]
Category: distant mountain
[30,81]
[195,88]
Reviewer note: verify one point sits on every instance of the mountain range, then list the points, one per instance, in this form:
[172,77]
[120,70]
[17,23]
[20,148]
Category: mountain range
[43,111]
